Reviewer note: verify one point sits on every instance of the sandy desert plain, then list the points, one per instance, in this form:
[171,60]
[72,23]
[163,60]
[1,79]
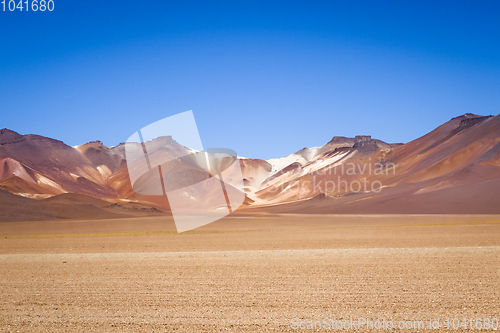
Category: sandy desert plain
[247,273]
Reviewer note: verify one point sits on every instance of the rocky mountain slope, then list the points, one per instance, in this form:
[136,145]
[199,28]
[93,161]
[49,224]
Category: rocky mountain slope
[454,168]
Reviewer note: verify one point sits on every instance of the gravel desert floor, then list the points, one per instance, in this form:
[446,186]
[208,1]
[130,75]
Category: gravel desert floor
[270,273]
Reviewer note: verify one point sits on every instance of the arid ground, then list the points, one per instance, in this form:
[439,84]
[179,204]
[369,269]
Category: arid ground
[247,273]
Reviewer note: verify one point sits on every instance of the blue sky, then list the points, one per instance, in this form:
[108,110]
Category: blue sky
[264,79]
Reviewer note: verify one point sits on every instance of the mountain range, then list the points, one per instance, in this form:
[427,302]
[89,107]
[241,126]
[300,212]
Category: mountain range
[453,169]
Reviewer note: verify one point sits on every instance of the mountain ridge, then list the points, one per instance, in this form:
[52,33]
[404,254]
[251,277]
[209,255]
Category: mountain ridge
[460,154]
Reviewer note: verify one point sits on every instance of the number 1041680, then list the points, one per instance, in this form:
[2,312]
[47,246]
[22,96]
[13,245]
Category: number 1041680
[27,5]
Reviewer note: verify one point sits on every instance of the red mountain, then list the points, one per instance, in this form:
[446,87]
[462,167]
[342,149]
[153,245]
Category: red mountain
[453,169]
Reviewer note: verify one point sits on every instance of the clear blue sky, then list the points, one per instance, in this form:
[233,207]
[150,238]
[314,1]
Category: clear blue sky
[264,79]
